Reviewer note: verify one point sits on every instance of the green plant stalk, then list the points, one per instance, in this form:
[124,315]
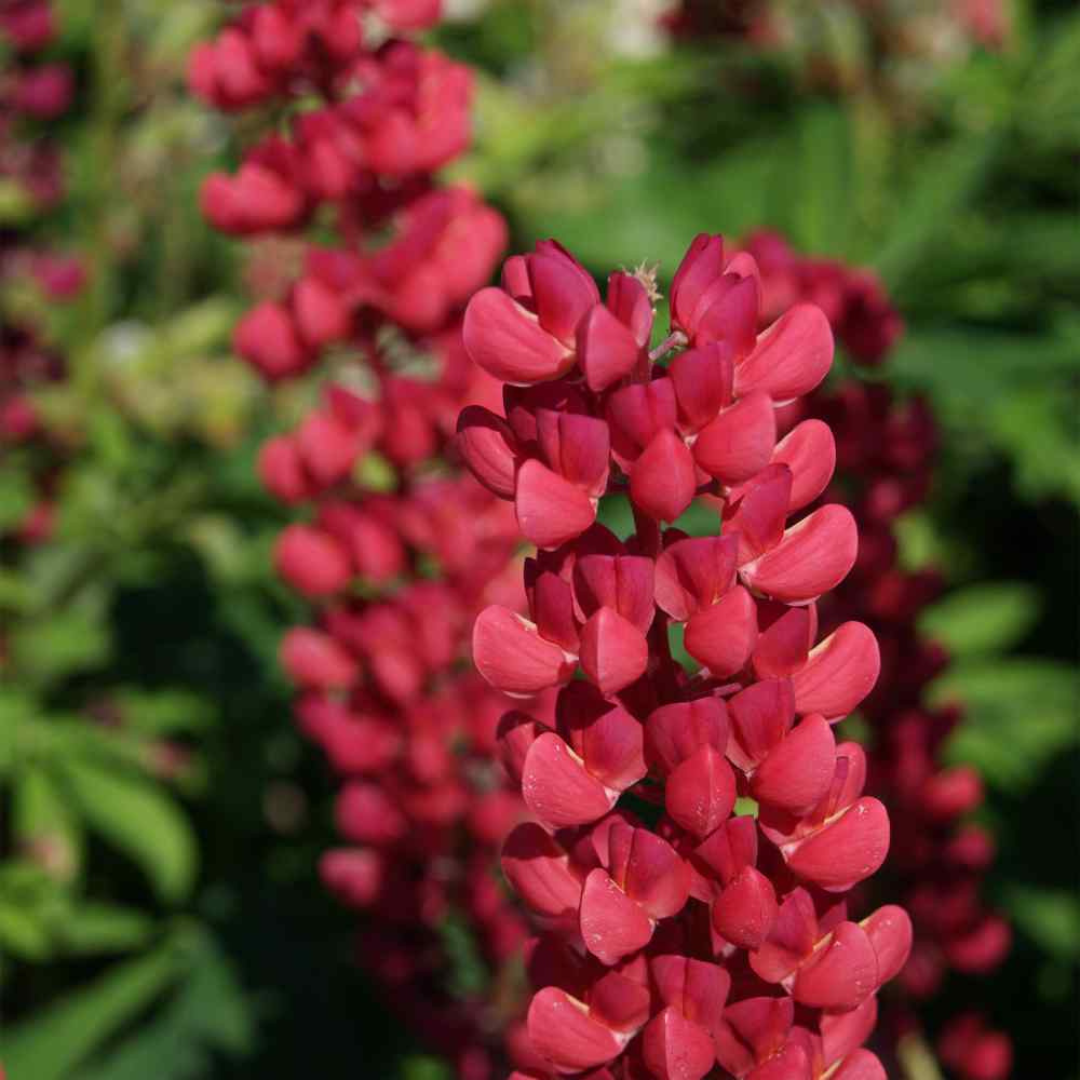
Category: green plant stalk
[110,94]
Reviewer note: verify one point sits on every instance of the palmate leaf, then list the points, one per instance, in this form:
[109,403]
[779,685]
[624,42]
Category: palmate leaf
[208,1014]
[139,818]
[54,1041]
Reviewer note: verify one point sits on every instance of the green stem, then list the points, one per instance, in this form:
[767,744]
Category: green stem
[110,95]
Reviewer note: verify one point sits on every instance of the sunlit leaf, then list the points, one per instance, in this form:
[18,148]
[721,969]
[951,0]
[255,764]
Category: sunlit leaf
[139,818]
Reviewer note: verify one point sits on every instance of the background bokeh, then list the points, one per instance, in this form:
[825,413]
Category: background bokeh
[159,912]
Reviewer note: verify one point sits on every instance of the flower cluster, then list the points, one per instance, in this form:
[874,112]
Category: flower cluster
[683,928]
[886,451]
[397,548]
[905,42]
[31,92]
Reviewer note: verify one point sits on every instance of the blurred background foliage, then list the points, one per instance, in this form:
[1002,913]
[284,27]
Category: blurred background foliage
[159,913]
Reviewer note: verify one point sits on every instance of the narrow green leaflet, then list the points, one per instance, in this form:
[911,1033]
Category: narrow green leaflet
[947,181]
[90,928]
[141,819]
[983,618]
[208,1014]
[44,822]
[1019,714]
[53,1042]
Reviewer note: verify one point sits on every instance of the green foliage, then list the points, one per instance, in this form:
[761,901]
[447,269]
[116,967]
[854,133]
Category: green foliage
[141,820]
[980,619]
[207,1016]
[62,1036]
[1019,714]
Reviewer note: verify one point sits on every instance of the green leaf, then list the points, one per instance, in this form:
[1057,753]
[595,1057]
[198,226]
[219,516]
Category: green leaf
[16,497]
[163,712]
[54,1041]
[1019,715]
[139,818]
[469,975]
[60,644]
[44,822]
[208,1014]
[425,1068]
[946,182]
[23,931]
[823,210]
[983,618]
[89,928]
[1051,918]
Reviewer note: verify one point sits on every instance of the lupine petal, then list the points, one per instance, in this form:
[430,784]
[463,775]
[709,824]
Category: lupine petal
[890,932]
[619,1003]
[694,573]
[702,380]
[751,1031]
[550,510]
[739,443]
[577,447]
[842,1033]
[561,1029]
[675,732]
[637,412]
[628,301]
[839,673]
[809,451]
[700,792]
[614,652]
[561,297]
[509,343]
[841,975]
[847,851]
[656,877]
[722,637]
[784,643]
[813,557]
[538,870]
[612,925]
[791,357]
[732,318]
[610,739]
[514,658]
[745,910]
[675,1048]
[623,583]
[759,516]
[607,350]
[729,850]
[663,479]
[700,266]
[517,731]
[860,1065]
[791,1063]
[761,716]
[557,788]
[796,774]
[484,441]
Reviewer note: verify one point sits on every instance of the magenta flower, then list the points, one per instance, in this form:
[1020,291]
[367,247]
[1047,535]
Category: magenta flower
[689,927]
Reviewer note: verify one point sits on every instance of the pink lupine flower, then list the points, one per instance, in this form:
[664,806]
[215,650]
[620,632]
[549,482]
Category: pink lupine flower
[672,915]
